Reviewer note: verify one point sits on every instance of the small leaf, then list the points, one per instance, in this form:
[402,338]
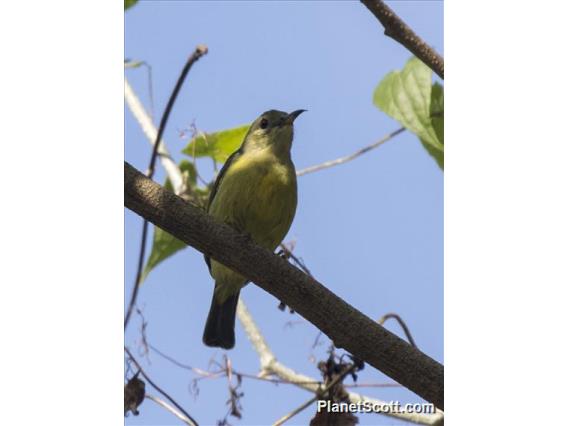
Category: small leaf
[129,3]
[164,244]
[217,145]
[128,63]
[189,173]
[409,97]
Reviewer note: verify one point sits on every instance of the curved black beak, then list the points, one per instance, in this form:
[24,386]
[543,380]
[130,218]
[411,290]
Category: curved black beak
[293,115]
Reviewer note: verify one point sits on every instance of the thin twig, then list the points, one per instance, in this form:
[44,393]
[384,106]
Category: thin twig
[288,254]
[180,364]
[397,29]
[145,121]
[269,365]
[402,324]
[350,157]
[223,371]
[317,396]
[373,385]
[171,409]
[198,53]
[150,88]
[275,381]
[159,389]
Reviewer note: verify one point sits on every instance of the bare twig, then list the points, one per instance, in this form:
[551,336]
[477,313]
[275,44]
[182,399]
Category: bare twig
[159,389]
[373,385]
[397,29]
[299,262]
[139,112]
[198,53]
[150,88]
[269,365]
[195,56]
[179,364]
[144,337]
[223,372]
[235,396]
[402,324]
[318,395]
[171,409]
[350,157]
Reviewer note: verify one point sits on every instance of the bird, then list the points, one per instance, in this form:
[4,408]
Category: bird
[256,194]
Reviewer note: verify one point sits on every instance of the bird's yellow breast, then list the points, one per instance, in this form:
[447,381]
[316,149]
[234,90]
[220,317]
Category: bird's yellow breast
[258,196]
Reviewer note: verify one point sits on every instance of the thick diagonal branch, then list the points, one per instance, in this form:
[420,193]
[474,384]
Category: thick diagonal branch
[343,324]
[397,29]
[269,366]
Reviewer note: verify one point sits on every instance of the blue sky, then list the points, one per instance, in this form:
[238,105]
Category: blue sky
[370,230]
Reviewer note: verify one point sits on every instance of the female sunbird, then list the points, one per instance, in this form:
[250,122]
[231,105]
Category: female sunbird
[256,194]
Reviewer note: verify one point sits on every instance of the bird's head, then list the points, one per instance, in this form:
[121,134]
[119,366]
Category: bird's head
[273,129]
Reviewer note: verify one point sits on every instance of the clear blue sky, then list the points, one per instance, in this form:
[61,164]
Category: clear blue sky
[370,230]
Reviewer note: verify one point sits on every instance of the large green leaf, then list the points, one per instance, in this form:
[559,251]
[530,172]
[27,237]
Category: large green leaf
[409,97]
[437,154]
[437,120]
[217,145]
[165,245]
[437,111]
[129,3]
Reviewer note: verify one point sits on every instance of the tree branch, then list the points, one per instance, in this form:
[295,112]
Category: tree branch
[397,29]
[349,157]
[159,389]
[345,326]
[318,395]
[169,408]
[269,365]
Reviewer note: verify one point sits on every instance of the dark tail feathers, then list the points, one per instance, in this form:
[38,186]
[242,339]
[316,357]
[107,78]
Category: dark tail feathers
[220,325]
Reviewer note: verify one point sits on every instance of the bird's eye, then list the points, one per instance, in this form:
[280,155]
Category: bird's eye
[263,123]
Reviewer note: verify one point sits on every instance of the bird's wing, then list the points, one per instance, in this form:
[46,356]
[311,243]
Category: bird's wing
[216,185]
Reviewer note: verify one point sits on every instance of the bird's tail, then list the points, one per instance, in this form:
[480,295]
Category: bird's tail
[220,325]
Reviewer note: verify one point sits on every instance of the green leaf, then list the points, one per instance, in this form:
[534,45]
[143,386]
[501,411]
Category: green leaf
[189,173]
[217,145]
[129,3]
[164,244]
[437,154]
[132,64]
[437,120]
[409,97]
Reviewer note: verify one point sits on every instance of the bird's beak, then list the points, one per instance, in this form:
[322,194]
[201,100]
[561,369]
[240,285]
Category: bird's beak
[293,115]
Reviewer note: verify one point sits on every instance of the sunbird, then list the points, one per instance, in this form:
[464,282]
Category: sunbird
[256,194]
